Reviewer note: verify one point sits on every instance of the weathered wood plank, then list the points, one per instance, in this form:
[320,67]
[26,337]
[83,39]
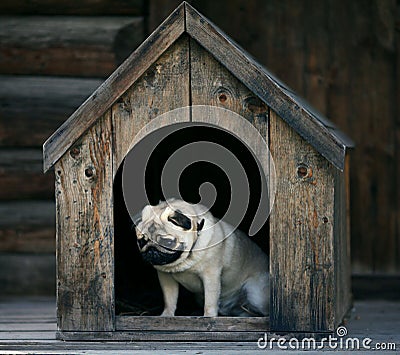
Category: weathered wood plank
[301,232]
[102,99]
[36,106]
[21,175]
[28,327]
[397,142]
[85,232]
[27,227]
[26,336]
[67,45]
[341,232]
[160,336]
[316,51]
[309,124]
[162,88]
[67,7]
[375,242]
[27,274]
[201,324]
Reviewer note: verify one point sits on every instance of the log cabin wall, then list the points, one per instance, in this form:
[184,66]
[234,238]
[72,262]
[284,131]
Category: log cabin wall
[54,54]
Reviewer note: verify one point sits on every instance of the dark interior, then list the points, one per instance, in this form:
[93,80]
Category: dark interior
[137,291]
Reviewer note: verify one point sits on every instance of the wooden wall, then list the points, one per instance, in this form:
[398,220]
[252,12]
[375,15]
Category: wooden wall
[48,66]
[342,56]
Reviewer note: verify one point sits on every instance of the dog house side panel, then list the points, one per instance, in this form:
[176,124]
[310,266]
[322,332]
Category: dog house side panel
[301,233]
[342,243]
[162,88]
[85,290]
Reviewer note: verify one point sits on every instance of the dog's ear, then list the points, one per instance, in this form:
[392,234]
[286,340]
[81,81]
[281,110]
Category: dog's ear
[200,225]
[180,220]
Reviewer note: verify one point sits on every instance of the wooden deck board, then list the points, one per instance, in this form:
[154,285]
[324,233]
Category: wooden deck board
[29,325]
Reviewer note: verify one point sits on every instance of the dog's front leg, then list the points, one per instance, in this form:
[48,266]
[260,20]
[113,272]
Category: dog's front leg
[170,289]
[212,290]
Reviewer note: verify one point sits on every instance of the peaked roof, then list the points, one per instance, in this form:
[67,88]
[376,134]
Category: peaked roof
[310,124]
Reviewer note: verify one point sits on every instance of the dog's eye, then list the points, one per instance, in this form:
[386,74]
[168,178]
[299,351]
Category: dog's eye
[167,242]
[180,220]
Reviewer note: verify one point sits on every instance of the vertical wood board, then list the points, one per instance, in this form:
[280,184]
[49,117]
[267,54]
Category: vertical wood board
[162,88]
[342,244]
[85,272]
[301,229]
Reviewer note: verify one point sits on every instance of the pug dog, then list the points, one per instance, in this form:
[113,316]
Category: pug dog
[227,272]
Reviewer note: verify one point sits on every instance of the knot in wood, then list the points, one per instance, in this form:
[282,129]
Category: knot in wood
[75,151]
[255,105]
[89,172]
[304,171]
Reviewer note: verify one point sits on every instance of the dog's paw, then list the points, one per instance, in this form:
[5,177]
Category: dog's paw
[167,313]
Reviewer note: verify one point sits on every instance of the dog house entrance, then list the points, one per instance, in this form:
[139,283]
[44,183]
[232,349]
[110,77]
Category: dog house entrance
[138,295]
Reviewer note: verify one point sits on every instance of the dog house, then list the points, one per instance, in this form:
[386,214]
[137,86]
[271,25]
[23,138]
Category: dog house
[185,62]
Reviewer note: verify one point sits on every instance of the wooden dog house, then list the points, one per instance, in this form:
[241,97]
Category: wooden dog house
[188,61]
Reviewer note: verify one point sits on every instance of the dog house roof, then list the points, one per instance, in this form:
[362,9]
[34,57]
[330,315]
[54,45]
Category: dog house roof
[318,131]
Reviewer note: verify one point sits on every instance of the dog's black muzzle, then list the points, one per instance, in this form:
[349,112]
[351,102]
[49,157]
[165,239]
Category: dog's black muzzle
[156,254]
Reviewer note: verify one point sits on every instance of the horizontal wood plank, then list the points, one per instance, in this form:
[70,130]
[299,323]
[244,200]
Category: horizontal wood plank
[160,336]
[28,327]
[67,45]
[201,324]
[21,175]
[29,274]
[32,107]
[27,227]
[67,7]
[101,100]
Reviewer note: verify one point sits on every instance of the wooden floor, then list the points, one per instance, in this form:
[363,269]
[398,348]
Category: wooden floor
[29,325]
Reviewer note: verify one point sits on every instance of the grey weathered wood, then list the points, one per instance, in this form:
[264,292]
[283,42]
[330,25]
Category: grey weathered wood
[301,232]
[25,273]
[66,7]
[85,232]
[101,100]
[162,88]
[21,175]
[314,128]
[212,84]
[27,227]
[31,326]
[160,336]
[343,296]
[67,45]
[32,107]
[196,324]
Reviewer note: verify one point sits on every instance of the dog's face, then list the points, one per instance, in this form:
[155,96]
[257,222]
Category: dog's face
[166,233]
